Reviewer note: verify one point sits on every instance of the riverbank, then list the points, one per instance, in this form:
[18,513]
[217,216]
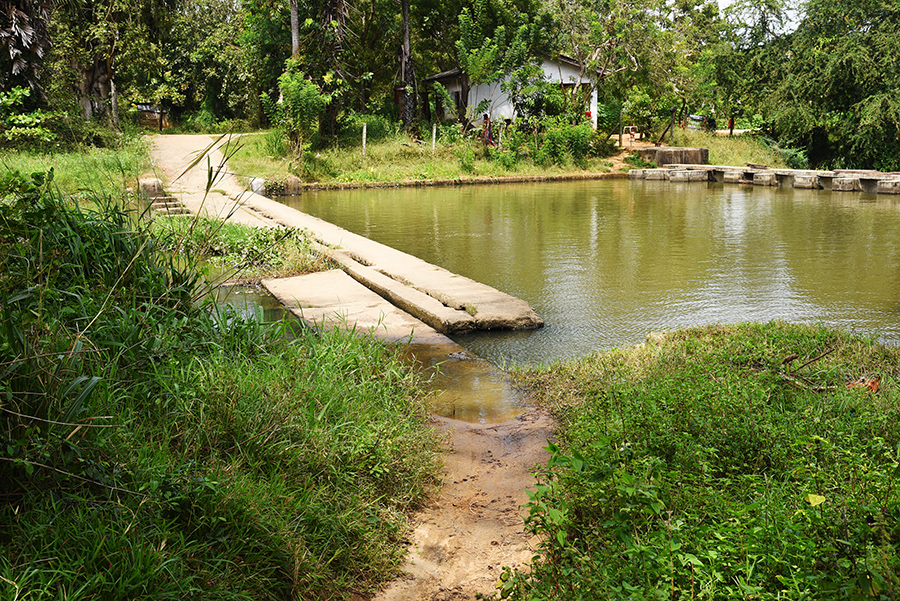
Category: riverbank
[157,447]
[720,462]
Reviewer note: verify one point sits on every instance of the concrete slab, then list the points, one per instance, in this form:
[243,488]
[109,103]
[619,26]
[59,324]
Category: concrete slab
[764,178]
[673,155]
[808,182]
[846,184]
[688,175]
[889,186]
[332,299]
[656,174]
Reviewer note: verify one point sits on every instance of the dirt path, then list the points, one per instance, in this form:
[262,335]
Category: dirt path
[474,526]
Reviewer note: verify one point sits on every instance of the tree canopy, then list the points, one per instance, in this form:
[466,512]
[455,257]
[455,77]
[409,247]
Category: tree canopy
[823,80]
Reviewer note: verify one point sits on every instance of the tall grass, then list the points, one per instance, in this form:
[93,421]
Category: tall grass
[735,150]
[742,462]
[240,252]
[157,448]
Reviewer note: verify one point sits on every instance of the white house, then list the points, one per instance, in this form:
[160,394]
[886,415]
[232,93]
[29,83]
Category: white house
[563,70]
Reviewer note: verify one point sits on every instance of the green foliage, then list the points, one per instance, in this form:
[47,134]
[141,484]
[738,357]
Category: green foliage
[723,463]
[240,251]
[301,106]
[835,98]
[20,128]
[157,447]
[635,160]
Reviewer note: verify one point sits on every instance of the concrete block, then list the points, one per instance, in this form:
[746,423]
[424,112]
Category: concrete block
[636,174]
[293,186]
[151,187]
[258,185]
[672,155]
[765,178]
[733,177]
[688,175]
[889,186]
[656,174]
[846,184]
[807,182]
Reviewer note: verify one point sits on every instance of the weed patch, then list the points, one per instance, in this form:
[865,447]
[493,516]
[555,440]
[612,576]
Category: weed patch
[154,447]
[721,463]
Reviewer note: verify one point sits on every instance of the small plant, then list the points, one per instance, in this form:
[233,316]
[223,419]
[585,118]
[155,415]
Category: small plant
[635,160]
[466,159]
[18,127]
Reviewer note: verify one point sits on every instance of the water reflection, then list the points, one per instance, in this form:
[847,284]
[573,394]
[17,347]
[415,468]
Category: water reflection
[607,262]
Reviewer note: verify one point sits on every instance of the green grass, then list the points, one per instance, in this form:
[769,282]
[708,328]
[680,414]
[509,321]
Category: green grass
[240,252]
[720,463]
[737,150]
[398,158]
[98,170]
[156,448]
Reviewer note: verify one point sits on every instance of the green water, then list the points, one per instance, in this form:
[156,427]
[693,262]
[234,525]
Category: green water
[607,262]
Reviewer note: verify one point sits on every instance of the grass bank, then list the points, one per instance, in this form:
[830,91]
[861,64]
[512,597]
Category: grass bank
[239,253]
[105,171]
[741,462]
[157,448]
[736,150]
[395,158]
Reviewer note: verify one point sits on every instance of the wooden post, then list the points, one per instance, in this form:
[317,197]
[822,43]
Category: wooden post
[433,136]
[364,139]
[620,126]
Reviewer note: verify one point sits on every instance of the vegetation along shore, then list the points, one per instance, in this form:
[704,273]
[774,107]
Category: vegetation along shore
[156,445]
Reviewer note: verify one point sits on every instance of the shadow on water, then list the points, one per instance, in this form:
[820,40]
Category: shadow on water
[463,386]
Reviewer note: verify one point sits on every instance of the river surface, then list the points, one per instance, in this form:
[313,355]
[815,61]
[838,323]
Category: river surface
[607,262]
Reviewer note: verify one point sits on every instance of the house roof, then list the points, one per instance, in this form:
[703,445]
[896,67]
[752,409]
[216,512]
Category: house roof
[445,75]
[457,72]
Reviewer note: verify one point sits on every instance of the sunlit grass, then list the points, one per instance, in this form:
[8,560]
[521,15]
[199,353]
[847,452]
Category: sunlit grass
[100,170]
[681,458]
[727,150]
[395,158]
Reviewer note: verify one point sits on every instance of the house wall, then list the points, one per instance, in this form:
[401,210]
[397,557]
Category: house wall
[500,107]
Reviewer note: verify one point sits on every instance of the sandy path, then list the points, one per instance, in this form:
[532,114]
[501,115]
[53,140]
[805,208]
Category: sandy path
[474,526]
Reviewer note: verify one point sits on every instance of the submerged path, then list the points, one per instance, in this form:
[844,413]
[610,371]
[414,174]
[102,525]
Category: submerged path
[472,527]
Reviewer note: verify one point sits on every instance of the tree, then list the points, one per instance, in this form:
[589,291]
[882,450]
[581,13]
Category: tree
[24,40]
[836,94]
[88,37]
[490,53]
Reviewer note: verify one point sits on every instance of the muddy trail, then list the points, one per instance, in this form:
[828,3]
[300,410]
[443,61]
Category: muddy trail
[474,525]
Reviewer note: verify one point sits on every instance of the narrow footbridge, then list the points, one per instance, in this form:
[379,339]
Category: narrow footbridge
[378,287]
[838,180]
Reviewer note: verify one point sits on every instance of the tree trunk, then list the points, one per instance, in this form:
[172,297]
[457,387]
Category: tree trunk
[407,73]
[94,89]
[114,104]
[295,29]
